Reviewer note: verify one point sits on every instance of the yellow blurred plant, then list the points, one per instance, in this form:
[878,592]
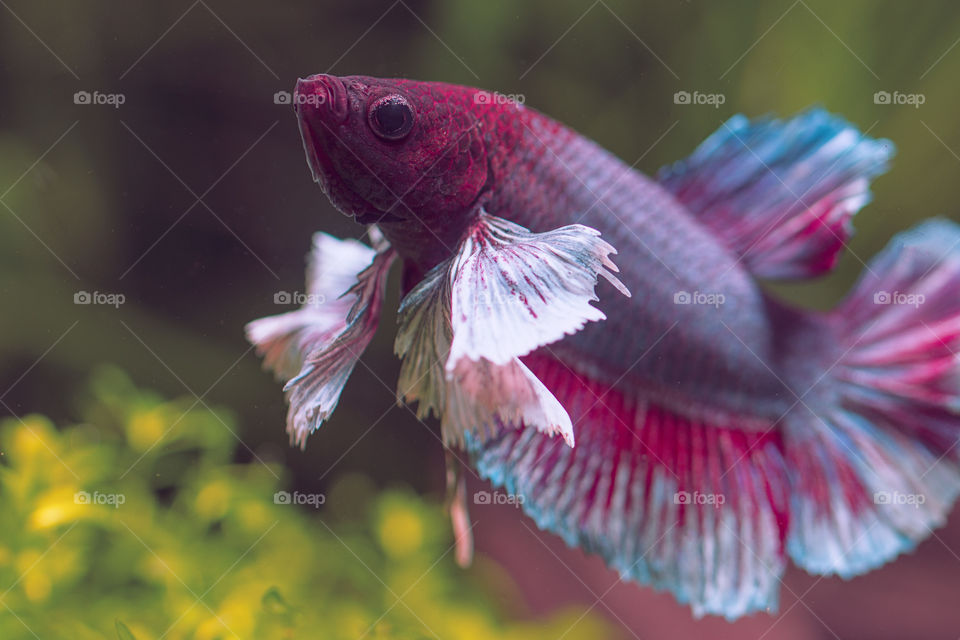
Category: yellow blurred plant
[137,523]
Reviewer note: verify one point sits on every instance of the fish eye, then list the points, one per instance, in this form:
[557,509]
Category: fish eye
[391,117]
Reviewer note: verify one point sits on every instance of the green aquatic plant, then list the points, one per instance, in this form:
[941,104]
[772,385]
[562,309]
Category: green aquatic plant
[137,522]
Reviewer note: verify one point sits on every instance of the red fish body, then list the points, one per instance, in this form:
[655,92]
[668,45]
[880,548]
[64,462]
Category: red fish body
[554,177]
[708,431]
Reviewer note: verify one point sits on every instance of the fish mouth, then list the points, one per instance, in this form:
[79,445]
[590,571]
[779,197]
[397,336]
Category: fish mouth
[343,197]
[320,166]
[323,98]
[323,93]
[322,104]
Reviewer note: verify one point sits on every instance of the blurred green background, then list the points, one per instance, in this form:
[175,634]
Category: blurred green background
[192,198]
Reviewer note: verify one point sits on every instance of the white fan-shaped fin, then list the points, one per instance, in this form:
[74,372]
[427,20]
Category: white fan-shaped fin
[483,396]
[314,393]
[513,291]
[317,346]
[477,396]
[284,340]
[333,266]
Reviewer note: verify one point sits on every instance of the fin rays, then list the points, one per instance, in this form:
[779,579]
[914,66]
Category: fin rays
[781,193]
[315,348]
[505,292]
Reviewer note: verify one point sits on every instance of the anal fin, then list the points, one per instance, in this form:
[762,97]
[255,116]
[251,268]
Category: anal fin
[679,504]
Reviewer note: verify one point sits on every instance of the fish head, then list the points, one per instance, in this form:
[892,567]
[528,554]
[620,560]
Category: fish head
[388,150]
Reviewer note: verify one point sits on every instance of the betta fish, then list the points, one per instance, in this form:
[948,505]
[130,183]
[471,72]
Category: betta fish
[662,410]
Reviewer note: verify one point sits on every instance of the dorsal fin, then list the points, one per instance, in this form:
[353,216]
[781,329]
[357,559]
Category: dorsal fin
[781,193]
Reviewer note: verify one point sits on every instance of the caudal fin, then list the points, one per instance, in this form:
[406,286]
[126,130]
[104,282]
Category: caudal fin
[874,460]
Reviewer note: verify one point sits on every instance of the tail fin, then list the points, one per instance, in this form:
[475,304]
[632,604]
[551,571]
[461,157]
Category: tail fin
[873,474]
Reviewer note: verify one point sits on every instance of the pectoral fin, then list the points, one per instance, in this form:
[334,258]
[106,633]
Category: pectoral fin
[513,291]
[504,293]
[317,346]
[284,340]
